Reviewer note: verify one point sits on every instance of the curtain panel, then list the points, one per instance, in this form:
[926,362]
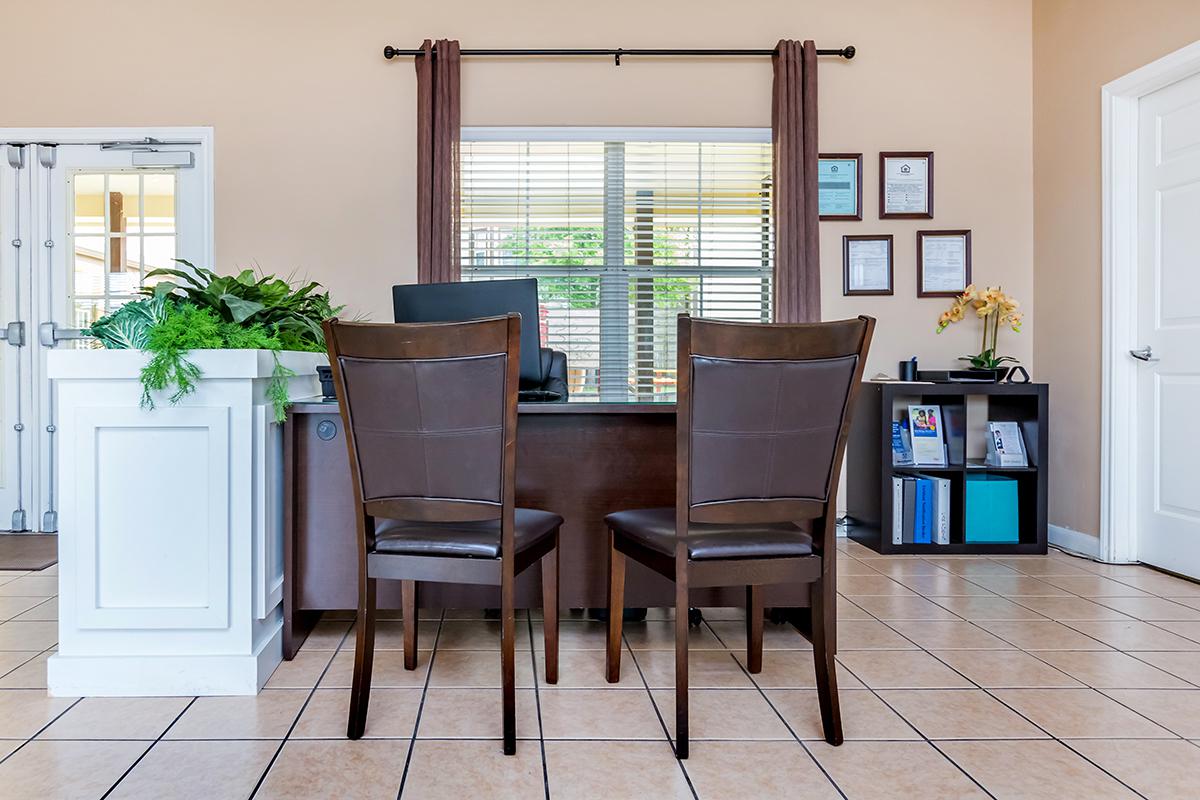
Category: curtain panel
[794,183]
[438,123]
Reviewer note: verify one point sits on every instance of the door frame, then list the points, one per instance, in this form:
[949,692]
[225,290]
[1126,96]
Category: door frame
[1119,102]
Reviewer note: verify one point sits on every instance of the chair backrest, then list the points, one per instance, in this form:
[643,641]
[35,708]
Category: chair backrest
[763,415]
[430,412]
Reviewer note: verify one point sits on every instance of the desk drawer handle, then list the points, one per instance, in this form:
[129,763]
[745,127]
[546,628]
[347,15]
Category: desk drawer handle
[326,430]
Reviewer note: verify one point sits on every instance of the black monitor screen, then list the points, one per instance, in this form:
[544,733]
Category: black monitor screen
[459,302]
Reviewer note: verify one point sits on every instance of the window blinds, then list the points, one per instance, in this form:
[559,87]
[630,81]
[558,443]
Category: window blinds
[622,235]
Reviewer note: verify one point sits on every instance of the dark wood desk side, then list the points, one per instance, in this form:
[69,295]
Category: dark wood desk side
[580,460]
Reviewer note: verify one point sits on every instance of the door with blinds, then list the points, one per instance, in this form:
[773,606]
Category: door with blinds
[624,230]
[82,221]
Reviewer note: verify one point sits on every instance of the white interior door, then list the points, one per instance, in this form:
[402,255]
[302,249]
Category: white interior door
[1168,323]
[82,220]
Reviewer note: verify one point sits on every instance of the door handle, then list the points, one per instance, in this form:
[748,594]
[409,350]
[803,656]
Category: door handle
[1144,354]
[50,334]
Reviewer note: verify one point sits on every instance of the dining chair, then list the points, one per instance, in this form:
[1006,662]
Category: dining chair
[763,412]
[430,413]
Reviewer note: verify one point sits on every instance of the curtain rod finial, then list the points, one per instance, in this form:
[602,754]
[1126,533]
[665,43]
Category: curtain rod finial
[848,52]
[389,52]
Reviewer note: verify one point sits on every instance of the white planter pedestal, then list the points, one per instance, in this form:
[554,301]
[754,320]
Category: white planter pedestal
[170,534]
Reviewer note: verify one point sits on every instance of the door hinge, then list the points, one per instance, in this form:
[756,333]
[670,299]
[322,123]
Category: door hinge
[50,334]
[14,334]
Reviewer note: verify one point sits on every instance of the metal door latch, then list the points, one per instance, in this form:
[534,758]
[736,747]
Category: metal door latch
[14,334]
[49,334]
[1145,354]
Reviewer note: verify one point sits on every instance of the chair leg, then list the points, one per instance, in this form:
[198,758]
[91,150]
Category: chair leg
[508,666]
[754,629]
[408,608]
[681,665]
[824,638]
[364,656]
[616,610]
[550,610]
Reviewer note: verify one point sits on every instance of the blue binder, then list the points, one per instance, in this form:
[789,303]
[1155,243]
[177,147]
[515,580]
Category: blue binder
[923,518]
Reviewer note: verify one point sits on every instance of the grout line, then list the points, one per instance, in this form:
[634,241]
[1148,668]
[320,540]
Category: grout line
[146,752]
[40,730]
[537,691]
[412,745]
[666,731]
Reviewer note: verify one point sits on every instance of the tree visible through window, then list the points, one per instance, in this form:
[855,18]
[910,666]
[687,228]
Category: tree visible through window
[622,236]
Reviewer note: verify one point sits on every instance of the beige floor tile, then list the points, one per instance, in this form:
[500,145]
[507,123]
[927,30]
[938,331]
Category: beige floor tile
[367,769]
[893,770]
[387,670]
[577,635]
[598,714]
[977,607]
[46,611]
[1072,608]
[15,606]
[31,586]
[480,769]
[24,712]
[267,716]
[1039,566]
[959,714]
[302,672]
[52,770]
[943,585]
[972,567]
[1134,635]
[1158,769]
[475,669]
[1041,635]
[901,669]
[706,668]
[173,771]
[1022,770]
[848,609]
[661,635]
[864,715]
[724,714]
[614,771]
[1190,602]
[1095,586]
[17,635]
[1006,669]
[478,635]
[1151,609]
[1018,586]
[585,669]
[30,675]
[855,585]
[759,770]
[11,659]
[794,669]
[328,634]
[948,635]
[775,637]
[852,566]
[117,718]
[710,613]
[888,608]
[1161,584]
[1079,714]
[389,634]
[900,567]
[1180,664]
[857,634]
[391,713]
[1188,629]
[1177,710]
[1110,670]
[475,714]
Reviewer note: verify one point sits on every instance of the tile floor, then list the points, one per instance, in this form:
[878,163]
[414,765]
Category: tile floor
[961,677]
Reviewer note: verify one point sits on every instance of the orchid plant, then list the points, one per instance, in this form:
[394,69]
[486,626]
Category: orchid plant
[995,309]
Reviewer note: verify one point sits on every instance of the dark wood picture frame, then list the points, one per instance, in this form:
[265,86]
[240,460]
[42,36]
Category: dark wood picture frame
[921,236]
[883,158]
[847,290]
[858,189]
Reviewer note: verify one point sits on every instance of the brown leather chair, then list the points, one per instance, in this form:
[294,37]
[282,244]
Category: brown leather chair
[763,415]
[430,412]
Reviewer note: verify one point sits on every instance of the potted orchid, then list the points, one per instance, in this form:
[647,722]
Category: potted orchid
[995,309]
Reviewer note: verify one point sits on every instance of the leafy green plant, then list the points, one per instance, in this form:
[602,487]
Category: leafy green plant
[200,310]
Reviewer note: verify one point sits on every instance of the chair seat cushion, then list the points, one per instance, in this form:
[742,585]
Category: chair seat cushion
[462,539]
[655,529]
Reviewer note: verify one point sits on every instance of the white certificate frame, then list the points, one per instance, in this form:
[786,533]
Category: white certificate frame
[914,160]
[851,273]
[942,278]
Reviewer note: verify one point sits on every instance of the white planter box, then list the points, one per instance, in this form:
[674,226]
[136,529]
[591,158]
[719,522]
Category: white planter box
[170,534]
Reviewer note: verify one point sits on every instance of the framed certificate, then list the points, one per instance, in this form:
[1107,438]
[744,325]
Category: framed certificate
[839,186]
[906,185]
[867,265]
[943,263]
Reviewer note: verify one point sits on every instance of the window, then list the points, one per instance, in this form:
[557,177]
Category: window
[624,230]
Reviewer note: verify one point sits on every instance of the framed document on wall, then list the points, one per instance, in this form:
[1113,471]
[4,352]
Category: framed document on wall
[943,263]
[867,265]
[839,186]
[906,185]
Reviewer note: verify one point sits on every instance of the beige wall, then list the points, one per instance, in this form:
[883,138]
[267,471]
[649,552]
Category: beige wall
[314,130]
[1079,45]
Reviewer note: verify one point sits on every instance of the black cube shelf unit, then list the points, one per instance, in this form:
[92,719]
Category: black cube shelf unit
[870,471]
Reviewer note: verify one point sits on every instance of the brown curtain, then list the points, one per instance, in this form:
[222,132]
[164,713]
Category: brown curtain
[437,162]
[794,183]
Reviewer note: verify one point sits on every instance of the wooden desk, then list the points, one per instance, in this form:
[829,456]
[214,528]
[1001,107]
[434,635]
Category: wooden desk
[580,460]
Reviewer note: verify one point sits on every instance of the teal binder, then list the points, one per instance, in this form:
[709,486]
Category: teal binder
[991,509]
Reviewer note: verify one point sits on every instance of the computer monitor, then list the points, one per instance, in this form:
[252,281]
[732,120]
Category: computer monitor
[458,302]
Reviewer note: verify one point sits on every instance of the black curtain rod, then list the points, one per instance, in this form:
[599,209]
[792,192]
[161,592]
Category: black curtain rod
[390,52]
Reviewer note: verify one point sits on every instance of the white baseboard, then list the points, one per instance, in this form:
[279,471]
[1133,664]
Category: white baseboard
[1074,541]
